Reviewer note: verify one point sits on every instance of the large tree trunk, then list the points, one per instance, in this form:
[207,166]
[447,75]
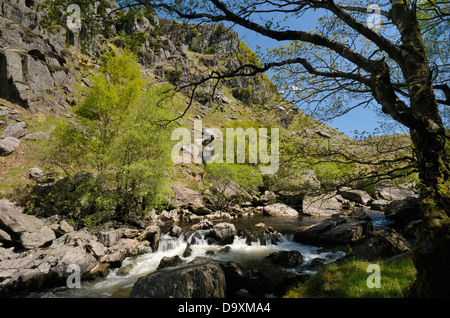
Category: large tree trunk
[432,249]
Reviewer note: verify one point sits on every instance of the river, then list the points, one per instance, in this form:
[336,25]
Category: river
[119,282]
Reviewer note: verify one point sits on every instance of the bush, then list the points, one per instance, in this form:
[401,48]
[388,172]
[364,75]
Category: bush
[116,140]
[232,183]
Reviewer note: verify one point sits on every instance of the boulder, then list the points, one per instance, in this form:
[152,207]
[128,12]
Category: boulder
[124,248]
[379,205]
[37,238]
[15,129]
[381,244]
[321,205]
[97,249]
[36,174]
[202,278]
[394,193]
[152,234]
[65,227]
[279,210]
[43,268]
[109,238]
[237,278]
[5,237]
[267,198]
[224,233]
[13,220]
[170,262]
[8,145]
[403,211]
[287,258]
[335,231]
[187,198]
[202,225]
[357,196]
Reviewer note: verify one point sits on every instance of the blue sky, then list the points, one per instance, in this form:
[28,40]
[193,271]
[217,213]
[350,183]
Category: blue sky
[359,119]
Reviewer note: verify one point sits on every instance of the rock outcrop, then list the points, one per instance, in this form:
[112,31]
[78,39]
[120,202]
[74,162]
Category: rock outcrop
[202,278]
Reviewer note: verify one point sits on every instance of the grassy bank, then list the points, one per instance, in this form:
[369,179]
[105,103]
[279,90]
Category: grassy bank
[349,280]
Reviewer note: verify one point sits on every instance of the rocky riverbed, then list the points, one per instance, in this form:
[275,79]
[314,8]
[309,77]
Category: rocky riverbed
[260,243]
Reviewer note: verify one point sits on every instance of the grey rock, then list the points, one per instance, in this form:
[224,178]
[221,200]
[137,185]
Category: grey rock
[280,210]
[322,205]
[65,227]
[395,194]
[8,145]
[170,262]
[15,129]
[202,278]
[109,238]
[224,233]
[357,196]
[287,258]
[97,249]
[152,234]
[4,237]
[13,220]
[37,238]
[404,210]
[381,244]
[379,205]
[335,231]
[36,174]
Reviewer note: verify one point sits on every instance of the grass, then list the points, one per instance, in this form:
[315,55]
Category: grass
[350,281]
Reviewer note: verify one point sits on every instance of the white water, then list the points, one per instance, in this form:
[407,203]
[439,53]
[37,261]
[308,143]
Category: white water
[119,282]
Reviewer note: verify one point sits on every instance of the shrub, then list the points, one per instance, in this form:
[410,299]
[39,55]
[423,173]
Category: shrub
[232,183]
[116,140]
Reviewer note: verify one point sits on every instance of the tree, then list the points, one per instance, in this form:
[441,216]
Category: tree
[376,56]
[391,65]
[114,150]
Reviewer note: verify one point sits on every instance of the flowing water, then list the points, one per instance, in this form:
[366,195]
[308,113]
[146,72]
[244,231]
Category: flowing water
[119,282]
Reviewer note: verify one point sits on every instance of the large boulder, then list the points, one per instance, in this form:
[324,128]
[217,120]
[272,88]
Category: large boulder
[12,219]
[202,278]
[280,210]
[287,258]
[321,205]
[224,233]
[8,145]
[394,193]
[15,129]
[189,199]
[37,238]
[381,244]
[334,231]
[403,211]
[357,196]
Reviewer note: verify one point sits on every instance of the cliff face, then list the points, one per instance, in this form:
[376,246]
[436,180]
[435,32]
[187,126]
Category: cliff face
[34,64]
[38,67]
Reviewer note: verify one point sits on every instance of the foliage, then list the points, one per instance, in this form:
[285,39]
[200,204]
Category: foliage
[117,141]
[350,281]
[232,183]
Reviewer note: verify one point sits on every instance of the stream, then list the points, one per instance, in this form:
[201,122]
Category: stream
[119,282]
